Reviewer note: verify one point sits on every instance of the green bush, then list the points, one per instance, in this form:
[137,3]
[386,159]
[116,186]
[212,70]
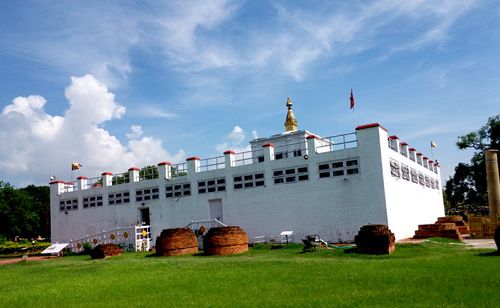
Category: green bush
[87,248]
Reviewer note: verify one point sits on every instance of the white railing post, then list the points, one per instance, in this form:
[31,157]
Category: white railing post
[229,157]
[193,164]
[268,151]
[165,170]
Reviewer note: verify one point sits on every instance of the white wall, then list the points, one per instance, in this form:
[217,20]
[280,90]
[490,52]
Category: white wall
[334,207]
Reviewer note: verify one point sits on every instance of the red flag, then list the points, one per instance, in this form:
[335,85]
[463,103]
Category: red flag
[352,101]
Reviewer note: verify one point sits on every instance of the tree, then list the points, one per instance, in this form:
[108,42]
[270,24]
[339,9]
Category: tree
[466,191]
[24,212]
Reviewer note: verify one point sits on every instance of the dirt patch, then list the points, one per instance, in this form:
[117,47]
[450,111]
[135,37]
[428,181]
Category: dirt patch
[29,259]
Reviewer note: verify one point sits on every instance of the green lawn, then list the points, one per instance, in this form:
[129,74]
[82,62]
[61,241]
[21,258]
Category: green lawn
[427,275]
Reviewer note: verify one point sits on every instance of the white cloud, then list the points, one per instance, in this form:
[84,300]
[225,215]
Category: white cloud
[154,111]
[135,132]
[36,145]
[237,135]
[235,140]
[200,36]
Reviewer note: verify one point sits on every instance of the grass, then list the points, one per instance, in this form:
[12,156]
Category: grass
[429,274]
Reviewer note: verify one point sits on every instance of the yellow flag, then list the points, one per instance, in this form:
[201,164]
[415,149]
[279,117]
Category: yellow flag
[75,166]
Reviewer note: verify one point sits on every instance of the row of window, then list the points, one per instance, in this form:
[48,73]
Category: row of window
[244,181]
[339,168]
[410,174]
[211,185]
[249,180]
[92,201]
[119,198]
[291,175]
[393,145]
[68,205]
[147,194]
[178,190]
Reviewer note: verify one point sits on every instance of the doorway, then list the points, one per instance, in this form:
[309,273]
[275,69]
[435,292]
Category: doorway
[215,209]
[144,215]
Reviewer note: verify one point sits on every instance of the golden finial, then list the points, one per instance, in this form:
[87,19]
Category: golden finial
[290,122]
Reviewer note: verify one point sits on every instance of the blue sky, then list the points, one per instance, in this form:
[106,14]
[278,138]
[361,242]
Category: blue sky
[115,84]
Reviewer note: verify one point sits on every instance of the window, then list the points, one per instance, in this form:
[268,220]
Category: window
[427,181]
[68,205]
[249,181]
[211,185]
[178,190]
[147,194]
[92,201]
[395,168]
[338,168]
[291,175]
[278,156]
[405,172]
[421,180]
[119,198]
[414,175]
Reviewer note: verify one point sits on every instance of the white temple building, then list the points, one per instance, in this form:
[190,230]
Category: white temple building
[296,180]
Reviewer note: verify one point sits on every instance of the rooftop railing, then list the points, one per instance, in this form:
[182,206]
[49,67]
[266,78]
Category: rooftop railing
[180,169]
[327,144]
[337,142]
[213,163]
[248,157]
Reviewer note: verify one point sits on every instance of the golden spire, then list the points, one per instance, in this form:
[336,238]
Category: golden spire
[291,121]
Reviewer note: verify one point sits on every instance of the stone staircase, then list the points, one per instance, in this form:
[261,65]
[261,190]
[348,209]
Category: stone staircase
[453,227]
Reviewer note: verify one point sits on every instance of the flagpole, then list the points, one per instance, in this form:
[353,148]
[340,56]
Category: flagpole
[354,117]
[352,107]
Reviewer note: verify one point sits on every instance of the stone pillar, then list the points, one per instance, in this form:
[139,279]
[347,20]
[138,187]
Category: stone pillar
[394,143]
[107,179]
[311,144]
[82,182]
[229,157]
[56,187]
[419,159]
[268,151]
[493,180]
[403,149]
[133,174]
[165,170]
[425,162]
[193,164]
[412,154]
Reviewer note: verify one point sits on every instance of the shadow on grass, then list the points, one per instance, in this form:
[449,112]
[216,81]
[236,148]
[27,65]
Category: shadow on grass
[490,254]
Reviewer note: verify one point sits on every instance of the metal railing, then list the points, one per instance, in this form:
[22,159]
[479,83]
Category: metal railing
[297,149]
[197,224]
[120,178]
[179,170]
[131,238]
[248,157]
[213,163]
[337,142]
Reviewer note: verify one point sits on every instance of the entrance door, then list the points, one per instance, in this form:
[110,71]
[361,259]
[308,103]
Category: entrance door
[144,214]
[215,209]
